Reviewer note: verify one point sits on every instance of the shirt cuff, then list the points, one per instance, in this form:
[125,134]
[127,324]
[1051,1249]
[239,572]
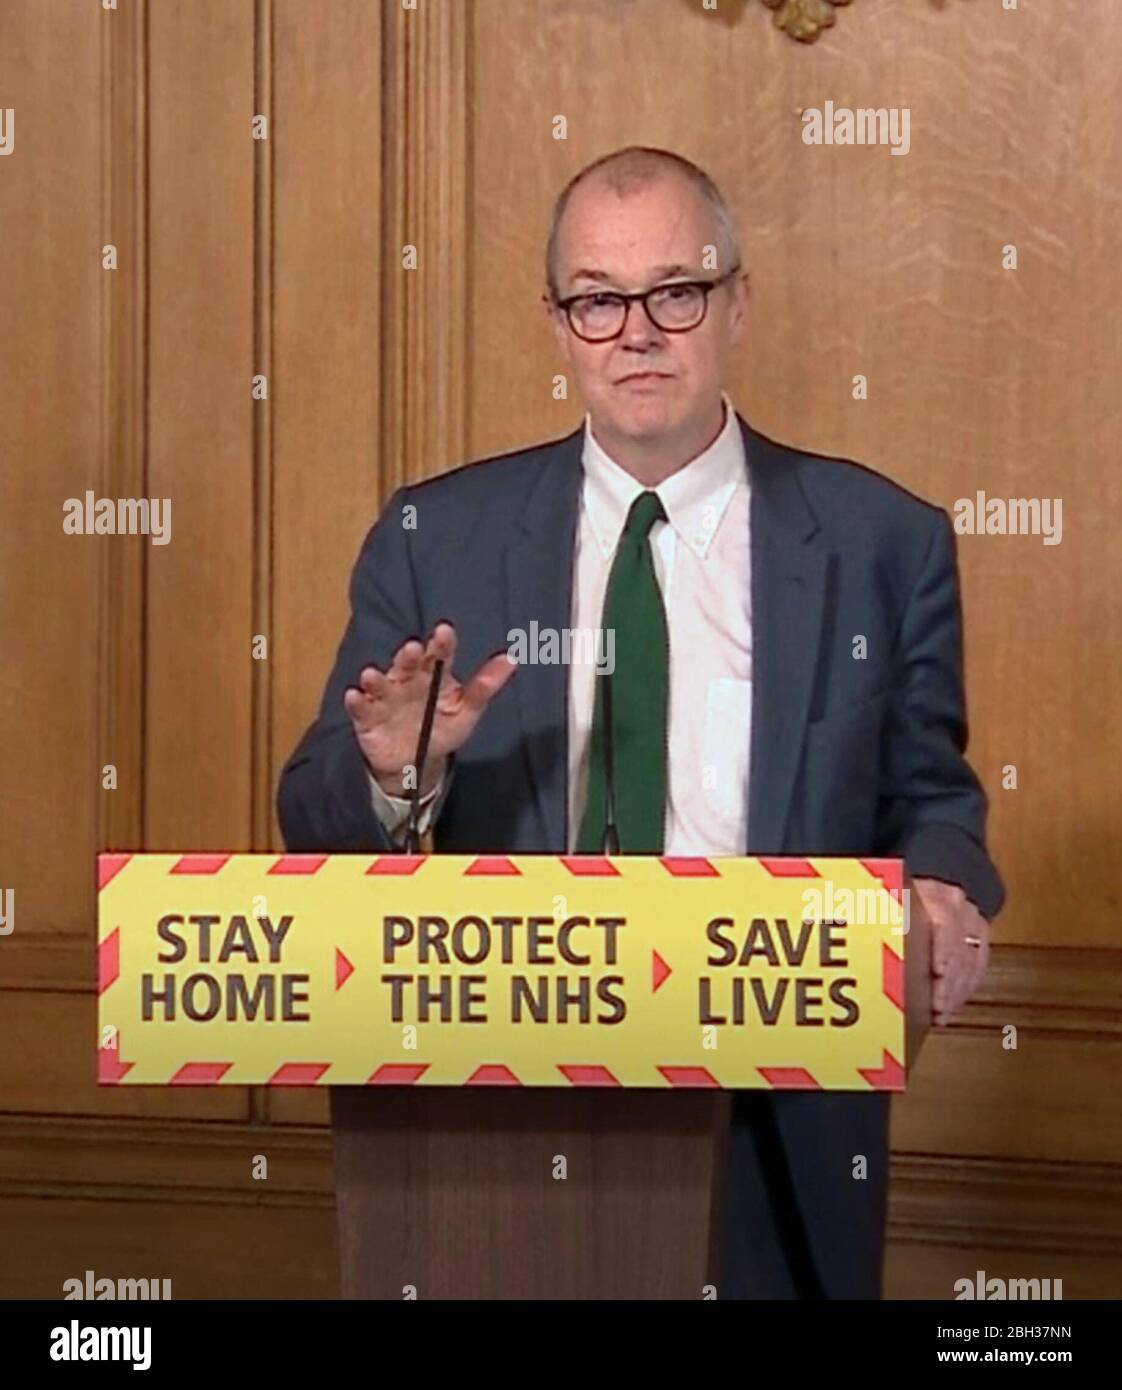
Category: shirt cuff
[393,811]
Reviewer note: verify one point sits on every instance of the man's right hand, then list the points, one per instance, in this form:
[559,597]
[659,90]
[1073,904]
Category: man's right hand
[387,707]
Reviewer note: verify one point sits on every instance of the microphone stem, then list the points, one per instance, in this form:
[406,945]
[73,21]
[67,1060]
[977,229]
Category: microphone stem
[611,833]
[412,833]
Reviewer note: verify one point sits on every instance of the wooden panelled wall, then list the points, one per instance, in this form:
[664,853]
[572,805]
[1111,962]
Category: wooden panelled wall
[436,127]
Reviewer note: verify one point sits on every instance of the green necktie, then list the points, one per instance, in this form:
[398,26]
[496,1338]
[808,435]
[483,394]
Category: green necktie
[633,611]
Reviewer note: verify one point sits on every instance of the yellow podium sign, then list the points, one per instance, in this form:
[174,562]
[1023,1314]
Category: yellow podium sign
[441,970]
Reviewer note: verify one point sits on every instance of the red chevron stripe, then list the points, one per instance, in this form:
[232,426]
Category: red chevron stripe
[892,974]
[585,1075]
[397,1074]
[298,1074]
[492,1075]
[110,1068]
[789,1078]
[198,863]
[790,868]
[589,866]
[109,866]
[200,1073]
[693,867]
[689,1076]
[889,1076]
[108,960]
[298,864]
[397,864]
[487,866]
[889,871]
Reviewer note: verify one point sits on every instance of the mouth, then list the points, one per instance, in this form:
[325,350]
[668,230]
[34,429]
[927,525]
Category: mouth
[643,378]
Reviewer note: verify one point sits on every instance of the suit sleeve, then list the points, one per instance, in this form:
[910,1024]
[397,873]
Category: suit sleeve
[324,802]
[933,803]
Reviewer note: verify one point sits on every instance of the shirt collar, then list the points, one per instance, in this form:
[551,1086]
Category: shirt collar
[696,497]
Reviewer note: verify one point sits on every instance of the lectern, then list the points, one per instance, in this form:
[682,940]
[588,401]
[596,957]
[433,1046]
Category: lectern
[530,1058]
[504,1193]
[509,1193]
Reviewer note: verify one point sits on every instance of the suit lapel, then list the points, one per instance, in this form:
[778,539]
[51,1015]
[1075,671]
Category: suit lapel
[788,598]
[539,585]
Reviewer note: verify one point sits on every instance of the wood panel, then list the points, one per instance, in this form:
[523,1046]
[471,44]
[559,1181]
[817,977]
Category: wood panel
[266,1250]
[1053,1097]
[426,373]
[201,361]
[51,404]
[433,128]
[48,1066]
[930,1269]
[124,435]
[114,1183]
[151,1156]
[327,463]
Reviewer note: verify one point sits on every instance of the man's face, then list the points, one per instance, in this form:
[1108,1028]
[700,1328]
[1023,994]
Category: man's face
[647,384]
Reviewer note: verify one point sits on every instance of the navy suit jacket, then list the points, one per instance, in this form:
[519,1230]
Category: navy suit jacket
[849,756]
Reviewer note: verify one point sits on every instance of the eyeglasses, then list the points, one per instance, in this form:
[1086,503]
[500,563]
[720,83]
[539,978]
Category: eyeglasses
[674,308]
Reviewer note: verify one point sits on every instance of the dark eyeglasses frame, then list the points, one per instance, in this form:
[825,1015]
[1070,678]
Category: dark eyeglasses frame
[641,297]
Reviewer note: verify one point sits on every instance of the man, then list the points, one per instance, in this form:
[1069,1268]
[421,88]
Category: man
[787,667]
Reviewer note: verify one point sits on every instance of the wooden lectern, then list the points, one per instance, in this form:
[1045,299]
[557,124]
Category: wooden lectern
[456,1193]
[621,1000]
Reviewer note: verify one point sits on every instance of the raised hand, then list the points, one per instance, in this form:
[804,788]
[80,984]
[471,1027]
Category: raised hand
[386,709]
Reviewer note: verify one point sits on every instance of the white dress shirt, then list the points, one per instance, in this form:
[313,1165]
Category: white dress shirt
[701,559]
[702,564]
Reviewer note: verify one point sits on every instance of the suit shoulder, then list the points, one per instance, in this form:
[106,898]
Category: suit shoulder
[841,491]
[502,479]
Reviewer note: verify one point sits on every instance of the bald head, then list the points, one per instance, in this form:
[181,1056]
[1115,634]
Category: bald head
[629,171]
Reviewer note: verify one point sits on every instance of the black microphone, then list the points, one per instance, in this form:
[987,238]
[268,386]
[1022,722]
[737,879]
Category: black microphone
[610,842]
[412,833]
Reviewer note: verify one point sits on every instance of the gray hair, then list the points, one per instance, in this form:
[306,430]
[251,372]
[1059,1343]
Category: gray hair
[633,168]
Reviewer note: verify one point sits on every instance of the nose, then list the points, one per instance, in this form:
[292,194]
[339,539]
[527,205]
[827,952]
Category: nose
[638,330]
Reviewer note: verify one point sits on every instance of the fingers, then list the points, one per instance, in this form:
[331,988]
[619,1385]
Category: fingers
[961,972]
[957,967]
[407,660]
[441,646]
[948,996]
[415,657]
[371,682]
[486,683]
[359,706]
[412,657]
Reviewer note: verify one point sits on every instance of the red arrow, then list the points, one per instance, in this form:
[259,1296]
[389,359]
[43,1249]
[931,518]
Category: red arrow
[343,969]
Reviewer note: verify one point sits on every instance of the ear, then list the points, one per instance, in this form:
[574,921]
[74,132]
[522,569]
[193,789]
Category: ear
[739,295]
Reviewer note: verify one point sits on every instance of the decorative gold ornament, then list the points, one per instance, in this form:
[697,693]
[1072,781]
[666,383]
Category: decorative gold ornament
[804,19]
